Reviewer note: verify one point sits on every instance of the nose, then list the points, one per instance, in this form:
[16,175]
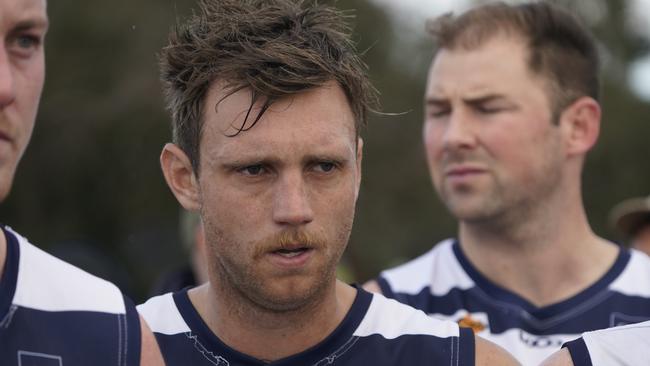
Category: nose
[459,132]
[292,204]
[7,90]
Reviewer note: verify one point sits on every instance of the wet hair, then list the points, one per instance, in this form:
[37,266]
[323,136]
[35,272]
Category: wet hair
[560,47]
[274,48]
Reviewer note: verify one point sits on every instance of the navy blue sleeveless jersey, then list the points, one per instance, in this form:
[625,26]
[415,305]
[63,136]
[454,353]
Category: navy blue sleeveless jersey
[54,314]
[445,285]
[376,331]
[627,345]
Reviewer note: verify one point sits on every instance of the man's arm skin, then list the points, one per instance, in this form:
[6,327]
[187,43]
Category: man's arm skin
[489,354]
[150,354]
[559,358]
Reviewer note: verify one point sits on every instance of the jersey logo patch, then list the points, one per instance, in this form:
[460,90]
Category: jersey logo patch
[468,322]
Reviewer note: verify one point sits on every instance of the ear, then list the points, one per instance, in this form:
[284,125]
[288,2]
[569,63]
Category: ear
[180,176]
[358,162]
[580,123]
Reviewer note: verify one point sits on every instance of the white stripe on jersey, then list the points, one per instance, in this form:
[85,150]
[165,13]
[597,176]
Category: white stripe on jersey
[423,271]
[403,320]
[626,345]
[163,316]
[49,284]
[635,279]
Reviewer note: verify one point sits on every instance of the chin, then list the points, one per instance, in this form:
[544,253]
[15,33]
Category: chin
[285,296]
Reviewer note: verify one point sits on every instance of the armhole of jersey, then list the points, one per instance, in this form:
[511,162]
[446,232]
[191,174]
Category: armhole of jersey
[579,352]
[385,287]
[133,334]
[466,347]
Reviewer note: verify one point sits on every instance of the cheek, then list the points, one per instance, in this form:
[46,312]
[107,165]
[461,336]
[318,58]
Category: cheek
[29,87]
[432,138]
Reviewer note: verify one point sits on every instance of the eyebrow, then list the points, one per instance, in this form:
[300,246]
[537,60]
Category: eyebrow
[436,102]
[25,25]
[484,99]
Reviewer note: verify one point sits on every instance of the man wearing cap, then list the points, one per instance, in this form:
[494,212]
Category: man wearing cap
[632,218]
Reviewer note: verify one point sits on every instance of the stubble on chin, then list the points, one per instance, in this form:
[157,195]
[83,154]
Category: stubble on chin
[251,290]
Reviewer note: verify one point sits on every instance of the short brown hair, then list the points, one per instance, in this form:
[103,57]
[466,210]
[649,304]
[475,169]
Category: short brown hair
[275,48]
[561,49]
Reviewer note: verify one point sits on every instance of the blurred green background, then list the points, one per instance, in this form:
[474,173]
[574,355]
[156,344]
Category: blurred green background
[90,190]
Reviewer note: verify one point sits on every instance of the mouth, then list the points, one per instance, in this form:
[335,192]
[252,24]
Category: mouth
[463,171]
[292,257]
[290,253]
[4,137]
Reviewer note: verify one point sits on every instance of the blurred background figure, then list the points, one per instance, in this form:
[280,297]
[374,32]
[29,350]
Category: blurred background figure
[632,219]
[195,272]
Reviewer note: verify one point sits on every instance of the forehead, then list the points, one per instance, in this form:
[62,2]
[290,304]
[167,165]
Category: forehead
[308,122]
[14,12]
[498,65]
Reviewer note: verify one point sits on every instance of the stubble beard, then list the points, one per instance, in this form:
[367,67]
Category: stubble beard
[246,289]
[502,206]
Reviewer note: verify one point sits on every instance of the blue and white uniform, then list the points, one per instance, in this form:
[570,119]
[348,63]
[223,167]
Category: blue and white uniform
[54,314]
[376,331]
[627,345]
[444,284]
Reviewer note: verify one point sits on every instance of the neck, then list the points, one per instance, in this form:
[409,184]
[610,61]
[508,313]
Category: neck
[271,335]
[546,254]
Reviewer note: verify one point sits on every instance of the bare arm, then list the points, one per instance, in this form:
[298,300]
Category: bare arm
[489,354]
[559,358]
[150,354]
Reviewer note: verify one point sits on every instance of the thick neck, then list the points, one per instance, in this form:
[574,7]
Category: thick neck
[545,254]
[269,335]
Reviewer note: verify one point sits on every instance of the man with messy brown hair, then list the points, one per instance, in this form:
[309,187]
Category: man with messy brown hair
[511,111]
[267,99]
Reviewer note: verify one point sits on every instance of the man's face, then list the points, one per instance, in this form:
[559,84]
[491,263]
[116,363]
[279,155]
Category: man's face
[23,24]
[278,200]
[491,146]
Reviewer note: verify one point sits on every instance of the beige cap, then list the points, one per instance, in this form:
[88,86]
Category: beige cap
[630,215]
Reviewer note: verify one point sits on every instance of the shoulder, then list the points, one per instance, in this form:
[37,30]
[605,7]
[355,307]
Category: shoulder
[634,279]
[391,319]
[395,321]
[163,316]
[395,329]
[630,343]
[47,283]
[60,310]
[488,353]
[559,358]
[416,274]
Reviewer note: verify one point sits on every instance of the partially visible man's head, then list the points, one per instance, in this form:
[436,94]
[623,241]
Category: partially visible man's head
[23,24]
[631,218]
[273,48]
[560,49]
